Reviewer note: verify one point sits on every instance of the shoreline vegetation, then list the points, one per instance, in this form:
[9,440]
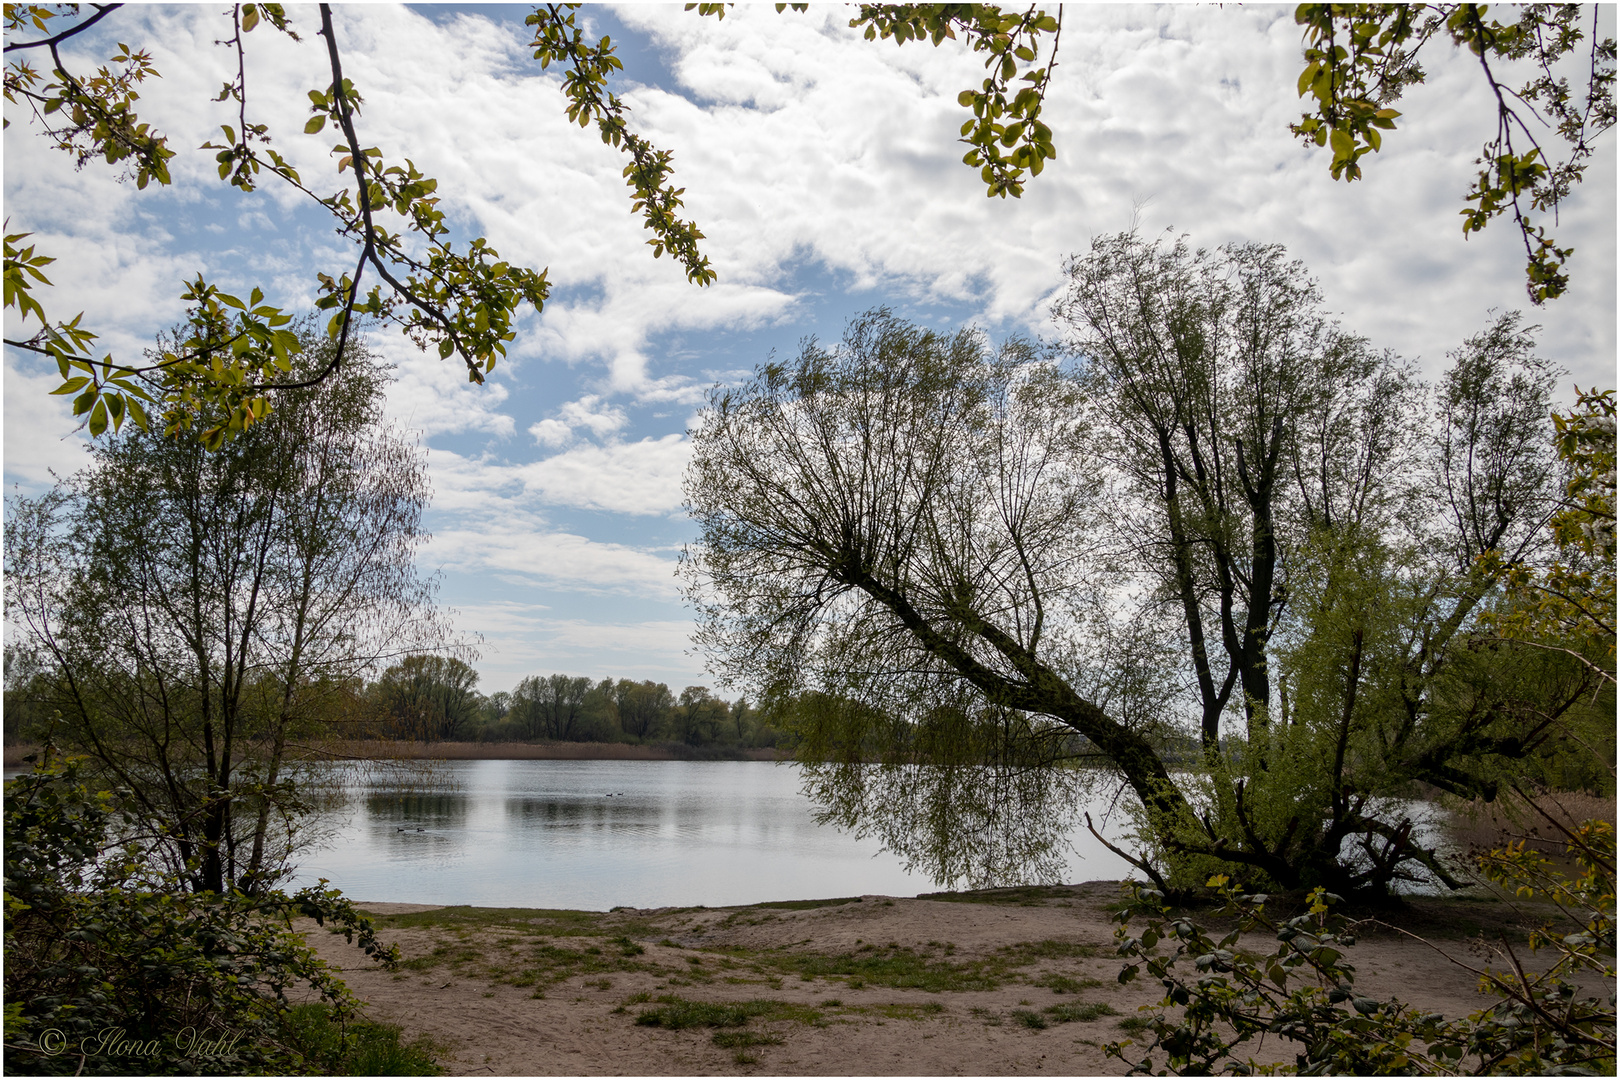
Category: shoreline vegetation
[416,750]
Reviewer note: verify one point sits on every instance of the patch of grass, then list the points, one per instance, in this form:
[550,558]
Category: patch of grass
[530,922]
[806,905]
[1027,952]
[548,964]
[361,1048]
[463,917]
[1062,984]
[1081,1011]
[743,1040]
[457,952]
[633,999]
[1134,1025]
[1029,1019]
[889,965]
[905,1010]
[677,1013]
[1018,895]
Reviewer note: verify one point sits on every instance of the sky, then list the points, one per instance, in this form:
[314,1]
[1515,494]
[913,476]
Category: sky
[826,175]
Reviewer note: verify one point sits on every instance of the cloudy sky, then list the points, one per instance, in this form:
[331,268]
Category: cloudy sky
[824,171]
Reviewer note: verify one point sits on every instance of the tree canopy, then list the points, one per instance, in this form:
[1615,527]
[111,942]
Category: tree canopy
[193,616]
[1224,516]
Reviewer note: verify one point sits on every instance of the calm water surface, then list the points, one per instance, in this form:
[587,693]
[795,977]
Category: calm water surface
[598,834]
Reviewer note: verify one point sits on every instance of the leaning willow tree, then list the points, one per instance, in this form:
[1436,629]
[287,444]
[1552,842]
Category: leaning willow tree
[195,618]
[1222,548]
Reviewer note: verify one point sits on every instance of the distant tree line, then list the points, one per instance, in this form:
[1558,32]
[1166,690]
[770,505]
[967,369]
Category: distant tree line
[433,698]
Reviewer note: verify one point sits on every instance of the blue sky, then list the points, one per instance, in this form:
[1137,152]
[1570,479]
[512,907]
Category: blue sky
[824,171]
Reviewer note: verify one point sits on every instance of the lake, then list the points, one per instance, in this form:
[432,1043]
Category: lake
[599,834]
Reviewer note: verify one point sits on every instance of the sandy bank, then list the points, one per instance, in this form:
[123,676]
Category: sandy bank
[1007,982]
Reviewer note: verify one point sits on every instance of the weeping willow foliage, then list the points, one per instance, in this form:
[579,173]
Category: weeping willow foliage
[894,534]
[1221,533]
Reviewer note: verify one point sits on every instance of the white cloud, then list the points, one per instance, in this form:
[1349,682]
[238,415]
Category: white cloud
[642,477]
[39,438]
[808,141]
[555,560]
[587,412]
[433,396]
[551,433]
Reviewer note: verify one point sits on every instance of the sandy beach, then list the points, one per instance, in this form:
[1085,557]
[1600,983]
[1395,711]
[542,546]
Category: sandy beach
[1000,982]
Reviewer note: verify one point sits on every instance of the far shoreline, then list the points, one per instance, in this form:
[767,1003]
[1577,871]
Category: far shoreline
[413,750]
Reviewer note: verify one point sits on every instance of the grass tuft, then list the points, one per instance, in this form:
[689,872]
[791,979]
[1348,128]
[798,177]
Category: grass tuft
[896,966]
[905,1010]
[677,1013]
[1027,952]
[1063,984]
[743,1040]
[1081,1011]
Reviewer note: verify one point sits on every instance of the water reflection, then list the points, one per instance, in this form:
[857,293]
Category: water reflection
[418,810]
[596,834]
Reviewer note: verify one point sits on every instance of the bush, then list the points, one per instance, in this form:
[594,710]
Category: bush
[1304,991]
[112,967]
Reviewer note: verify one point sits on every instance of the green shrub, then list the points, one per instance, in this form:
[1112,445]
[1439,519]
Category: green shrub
[1542,1022]
[112,967]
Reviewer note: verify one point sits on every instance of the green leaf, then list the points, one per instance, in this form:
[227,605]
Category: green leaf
[316,123]
[1307,77]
